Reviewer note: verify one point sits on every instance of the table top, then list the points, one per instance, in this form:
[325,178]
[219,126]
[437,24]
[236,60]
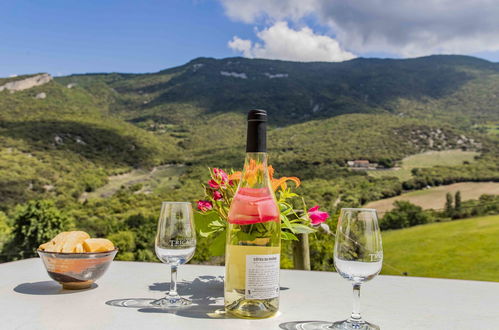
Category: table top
[30,300]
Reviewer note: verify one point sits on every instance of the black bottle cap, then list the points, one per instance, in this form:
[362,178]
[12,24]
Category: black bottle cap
[257,131]
[257,114]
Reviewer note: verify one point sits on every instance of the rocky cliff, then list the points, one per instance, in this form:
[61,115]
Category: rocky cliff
[23,84]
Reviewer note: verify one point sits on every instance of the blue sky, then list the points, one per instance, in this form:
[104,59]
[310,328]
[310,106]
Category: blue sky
[103,36]
[64,37]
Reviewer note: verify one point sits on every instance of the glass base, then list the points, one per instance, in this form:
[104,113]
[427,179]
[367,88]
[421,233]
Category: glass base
[323,325]
[171,302]
[352,325]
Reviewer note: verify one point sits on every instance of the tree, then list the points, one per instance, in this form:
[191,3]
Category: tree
[386,162]
[458,208]
[125,241]
[4,229]
[405,214]
[35,222]
[449,208]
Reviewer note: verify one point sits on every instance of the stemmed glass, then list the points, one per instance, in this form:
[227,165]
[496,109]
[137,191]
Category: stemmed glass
[175,245]
[358,257]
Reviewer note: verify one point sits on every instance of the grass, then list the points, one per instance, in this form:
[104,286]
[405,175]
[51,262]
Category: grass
[492,129]
[159,178]
[426,159]
[434,198]
[462,249]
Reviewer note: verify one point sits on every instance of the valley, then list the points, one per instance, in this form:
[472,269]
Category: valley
[107,148]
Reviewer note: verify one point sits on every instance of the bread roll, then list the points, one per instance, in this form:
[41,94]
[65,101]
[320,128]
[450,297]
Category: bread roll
[98,245]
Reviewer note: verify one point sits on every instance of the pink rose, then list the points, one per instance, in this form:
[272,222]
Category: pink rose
[213,184]
[204,206]
[317,217]
[217,195]
[220,175]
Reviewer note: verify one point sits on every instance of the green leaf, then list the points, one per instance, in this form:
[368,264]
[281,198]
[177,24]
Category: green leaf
[217,247]
[302,229]
[287,236]
[242,236]
[286,194]
[217,223]
[204,221]
[286,222]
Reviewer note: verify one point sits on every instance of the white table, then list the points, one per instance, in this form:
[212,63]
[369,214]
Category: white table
[30,300]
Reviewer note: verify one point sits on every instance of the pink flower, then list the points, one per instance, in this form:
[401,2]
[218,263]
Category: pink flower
[317,217]
[213,184]
[204,206]
[217,195]
[220,175]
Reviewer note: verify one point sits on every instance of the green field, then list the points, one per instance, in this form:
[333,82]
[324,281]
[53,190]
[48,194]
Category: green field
[426,159]
[490,128]
[462,249]
[434,198]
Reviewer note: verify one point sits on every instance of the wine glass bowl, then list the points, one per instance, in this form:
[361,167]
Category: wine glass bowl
[358,253]
[175,245]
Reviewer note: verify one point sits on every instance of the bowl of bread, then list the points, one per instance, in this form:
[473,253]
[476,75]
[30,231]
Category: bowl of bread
[76,260]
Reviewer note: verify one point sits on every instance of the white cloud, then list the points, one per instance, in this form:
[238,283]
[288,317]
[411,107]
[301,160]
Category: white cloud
[241,45]
[281,42]
[406,28]
[252,10]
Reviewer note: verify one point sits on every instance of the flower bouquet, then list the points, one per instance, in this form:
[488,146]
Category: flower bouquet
[213,210]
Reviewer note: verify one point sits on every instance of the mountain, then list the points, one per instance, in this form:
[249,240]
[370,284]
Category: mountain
[69,134]
[295,92]
[202,103]
[64,137]
[66,142]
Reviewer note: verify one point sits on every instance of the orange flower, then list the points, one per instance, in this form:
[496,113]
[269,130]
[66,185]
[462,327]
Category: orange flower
[236,176]
[276,183]
[281,182]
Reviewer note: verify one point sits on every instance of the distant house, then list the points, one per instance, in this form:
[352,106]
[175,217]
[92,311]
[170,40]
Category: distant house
[361,163]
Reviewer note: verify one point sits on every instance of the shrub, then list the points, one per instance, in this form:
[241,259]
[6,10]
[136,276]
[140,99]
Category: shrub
[5,229]
[124,240]
[386,162]
[35,222]
[405,214]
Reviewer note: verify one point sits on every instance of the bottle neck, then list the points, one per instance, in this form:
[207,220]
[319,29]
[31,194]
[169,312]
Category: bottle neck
[255,173]
[256,137]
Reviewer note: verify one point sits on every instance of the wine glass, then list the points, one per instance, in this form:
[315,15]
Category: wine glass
[175,245]
[358,257]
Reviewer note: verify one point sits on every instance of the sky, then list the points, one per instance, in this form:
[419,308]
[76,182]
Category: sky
[63,37]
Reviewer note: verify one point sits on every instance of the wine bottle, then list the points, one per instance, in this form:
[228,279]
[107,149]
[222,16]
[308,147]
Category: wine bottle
[252,256]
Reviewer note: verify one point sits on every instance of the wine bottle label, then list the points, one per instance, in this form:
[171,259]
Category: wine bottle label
[262,276]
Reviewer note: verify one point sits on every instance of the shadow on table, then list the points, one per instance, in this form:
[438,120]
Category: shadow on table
[204,290]
[304,325]
[46,288]
[192,311]
[206,293]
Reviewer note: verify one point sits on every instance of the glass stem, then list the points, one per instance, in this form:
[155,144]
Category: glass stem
[356,317]
[173,282]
